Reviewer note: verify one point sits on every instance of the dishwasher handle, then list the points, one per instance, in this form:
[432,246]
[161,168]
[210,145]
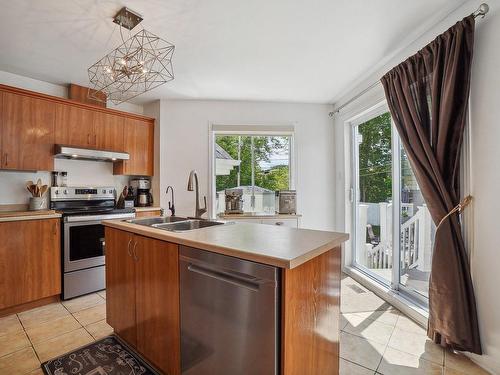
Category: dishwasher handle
[222,276]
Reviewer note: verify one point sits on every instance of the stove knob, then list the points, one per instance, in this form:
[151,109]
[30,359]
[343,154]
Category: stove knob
[65,192]
[57,192]
[104,191]
[111,192]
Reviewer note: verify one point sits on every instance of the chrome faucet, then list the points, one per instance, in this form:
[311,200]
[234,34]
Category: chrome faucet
[171,205]
[193,175]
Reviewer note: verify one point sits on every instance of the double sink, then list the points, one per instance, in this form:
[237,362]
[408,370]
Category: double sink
[175,223]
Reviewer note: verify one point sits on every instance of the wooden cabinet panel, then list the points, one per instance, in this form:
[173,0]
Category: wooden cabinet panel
[157,303]
[311,315]
[30,261]
[140,214]
[74,126]
[109,131]
[27,133]
[142,296]
[120,284]
[139,143]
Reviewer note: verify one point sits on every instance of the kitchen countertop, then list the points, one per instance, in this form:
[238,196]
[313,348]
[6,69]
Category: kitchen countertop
[276,246]
[258,215]
[28,215]
[146,209]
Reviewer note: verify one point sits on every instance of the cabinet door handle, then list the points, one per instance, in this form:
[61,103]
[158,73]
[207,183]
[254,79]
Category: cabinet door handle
[6,159]
[55,229]
[128,248]
[88,139]
[136,258]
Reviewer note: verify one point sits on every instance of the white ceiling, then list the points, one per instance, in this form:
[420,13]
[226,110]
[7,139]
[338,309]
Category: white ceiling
[279,50]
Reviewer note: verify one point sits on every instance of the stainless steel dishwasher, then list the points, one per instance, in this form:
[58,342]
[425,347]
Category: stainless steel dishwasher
[229,315]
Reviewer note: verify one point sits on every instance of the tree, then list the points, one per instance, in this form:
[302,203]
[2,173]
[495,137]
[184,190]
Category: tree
[264,148]
[375,160]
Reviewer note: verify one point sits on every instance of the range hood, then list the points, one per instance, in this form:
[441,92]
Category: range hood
[77,153]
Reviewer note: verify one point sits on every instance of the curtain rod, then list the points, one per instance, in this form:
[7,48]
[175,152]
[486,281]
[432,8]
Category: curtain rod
[480,12]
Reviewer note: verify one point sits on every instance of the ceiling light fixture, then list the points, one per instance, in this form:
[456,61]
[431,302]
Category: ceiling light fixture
[142,63]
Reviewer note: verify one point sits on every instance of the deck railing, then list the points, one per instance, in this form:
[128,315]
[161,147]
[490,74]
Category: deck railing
[415,239]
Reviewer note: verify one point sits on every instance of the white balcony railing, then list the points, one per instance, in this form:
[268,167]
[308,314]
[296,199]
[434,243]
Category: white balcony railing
[415,238]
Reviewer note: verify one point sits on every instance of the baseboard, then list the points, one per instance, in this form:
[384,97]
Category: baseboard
[29,305]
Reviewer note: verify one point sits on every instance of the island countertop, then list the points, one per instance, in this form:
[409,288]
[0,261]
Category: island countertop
[282,247]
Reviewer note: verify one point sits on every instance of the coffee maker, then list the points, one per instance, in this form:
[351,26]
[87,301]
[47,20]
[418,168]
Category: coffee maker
[234,201]
[142,192]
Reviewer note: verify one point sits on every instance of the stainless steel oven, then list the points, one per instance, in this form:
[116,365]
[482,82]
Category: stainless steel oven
[83,242]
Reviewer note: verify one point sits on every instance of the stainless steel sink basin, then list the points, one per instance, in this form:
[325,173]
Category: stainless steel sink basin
[151,221]
[187,225]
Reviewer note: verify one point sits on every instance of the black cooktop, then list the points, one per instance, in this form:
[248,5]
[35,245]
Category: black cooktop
[94,211]
[88,207]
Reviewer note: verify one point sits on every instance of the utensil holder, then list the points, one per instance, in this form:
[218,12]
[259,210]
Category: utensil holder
[37,203]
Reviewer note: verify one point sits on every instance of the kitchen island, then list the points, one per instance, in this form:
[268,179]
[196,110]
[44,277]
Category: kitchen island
[144,299]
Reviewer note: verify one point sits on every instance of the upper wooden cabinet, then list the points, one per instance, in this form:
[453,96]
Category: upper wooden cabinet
[139,143]
[27,130]
[75,126]
[31,123]
[109,131]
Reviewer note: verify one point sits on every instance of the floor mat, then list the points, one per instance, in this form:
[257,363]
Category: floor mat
[108,356]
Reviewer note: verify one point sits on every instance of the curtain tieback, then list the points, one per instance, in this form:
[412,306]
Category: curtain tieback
[458,208]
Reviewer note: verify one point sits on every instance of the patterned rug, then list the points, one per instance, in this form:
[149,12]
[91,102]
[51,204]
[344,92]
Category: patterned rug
[108,356]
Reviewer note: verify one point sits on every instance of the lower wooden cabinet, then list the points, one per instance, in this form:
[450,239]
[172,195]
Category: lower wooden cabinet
[30,261]
[142,287]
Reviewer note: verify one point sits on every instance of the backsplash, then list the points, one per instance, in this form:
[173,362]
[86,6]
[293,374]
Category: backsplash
[80,172]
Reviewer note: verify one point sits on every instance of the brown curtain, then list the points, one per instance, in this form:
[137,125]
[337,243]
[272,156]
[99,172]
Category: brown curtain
[428,99]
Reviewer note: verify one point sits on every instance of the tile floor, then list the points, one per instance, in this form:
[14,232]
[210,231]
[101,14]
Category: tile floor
[375,337]
[34,336]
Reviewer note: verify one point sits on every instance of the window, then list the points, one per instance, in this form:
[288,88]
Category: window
[258,163]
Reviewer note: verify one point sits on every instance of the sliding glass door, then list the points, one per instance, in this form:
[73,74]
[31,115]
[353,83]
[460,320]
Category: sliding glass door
[373,194]
[392,229]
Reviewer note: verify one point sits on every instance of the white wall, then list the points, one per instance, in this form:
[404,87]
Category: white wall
[485,155]
[485,134]
[185,146]
[80,173]
[12,184]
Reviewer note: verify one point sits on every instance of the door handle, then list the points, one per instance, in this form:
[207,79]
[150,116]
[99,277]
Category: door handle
[136,258]
[231,279]
[128,248]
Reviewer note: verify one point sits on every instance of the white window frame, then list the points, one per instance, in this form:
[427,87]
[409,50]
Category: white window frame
[264,130]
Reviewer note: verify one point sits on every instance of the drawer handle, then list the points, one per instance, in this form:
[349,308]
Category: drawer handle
[279,223]
[231,279]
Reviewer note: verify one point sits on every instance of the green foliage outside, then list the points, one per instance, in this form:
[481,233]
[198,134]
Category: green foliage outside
[274,178]
[375,160]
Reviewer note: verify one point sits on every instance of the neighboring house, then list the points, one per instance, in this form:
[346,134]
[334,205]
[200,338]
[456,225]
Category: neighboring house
[224,163]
